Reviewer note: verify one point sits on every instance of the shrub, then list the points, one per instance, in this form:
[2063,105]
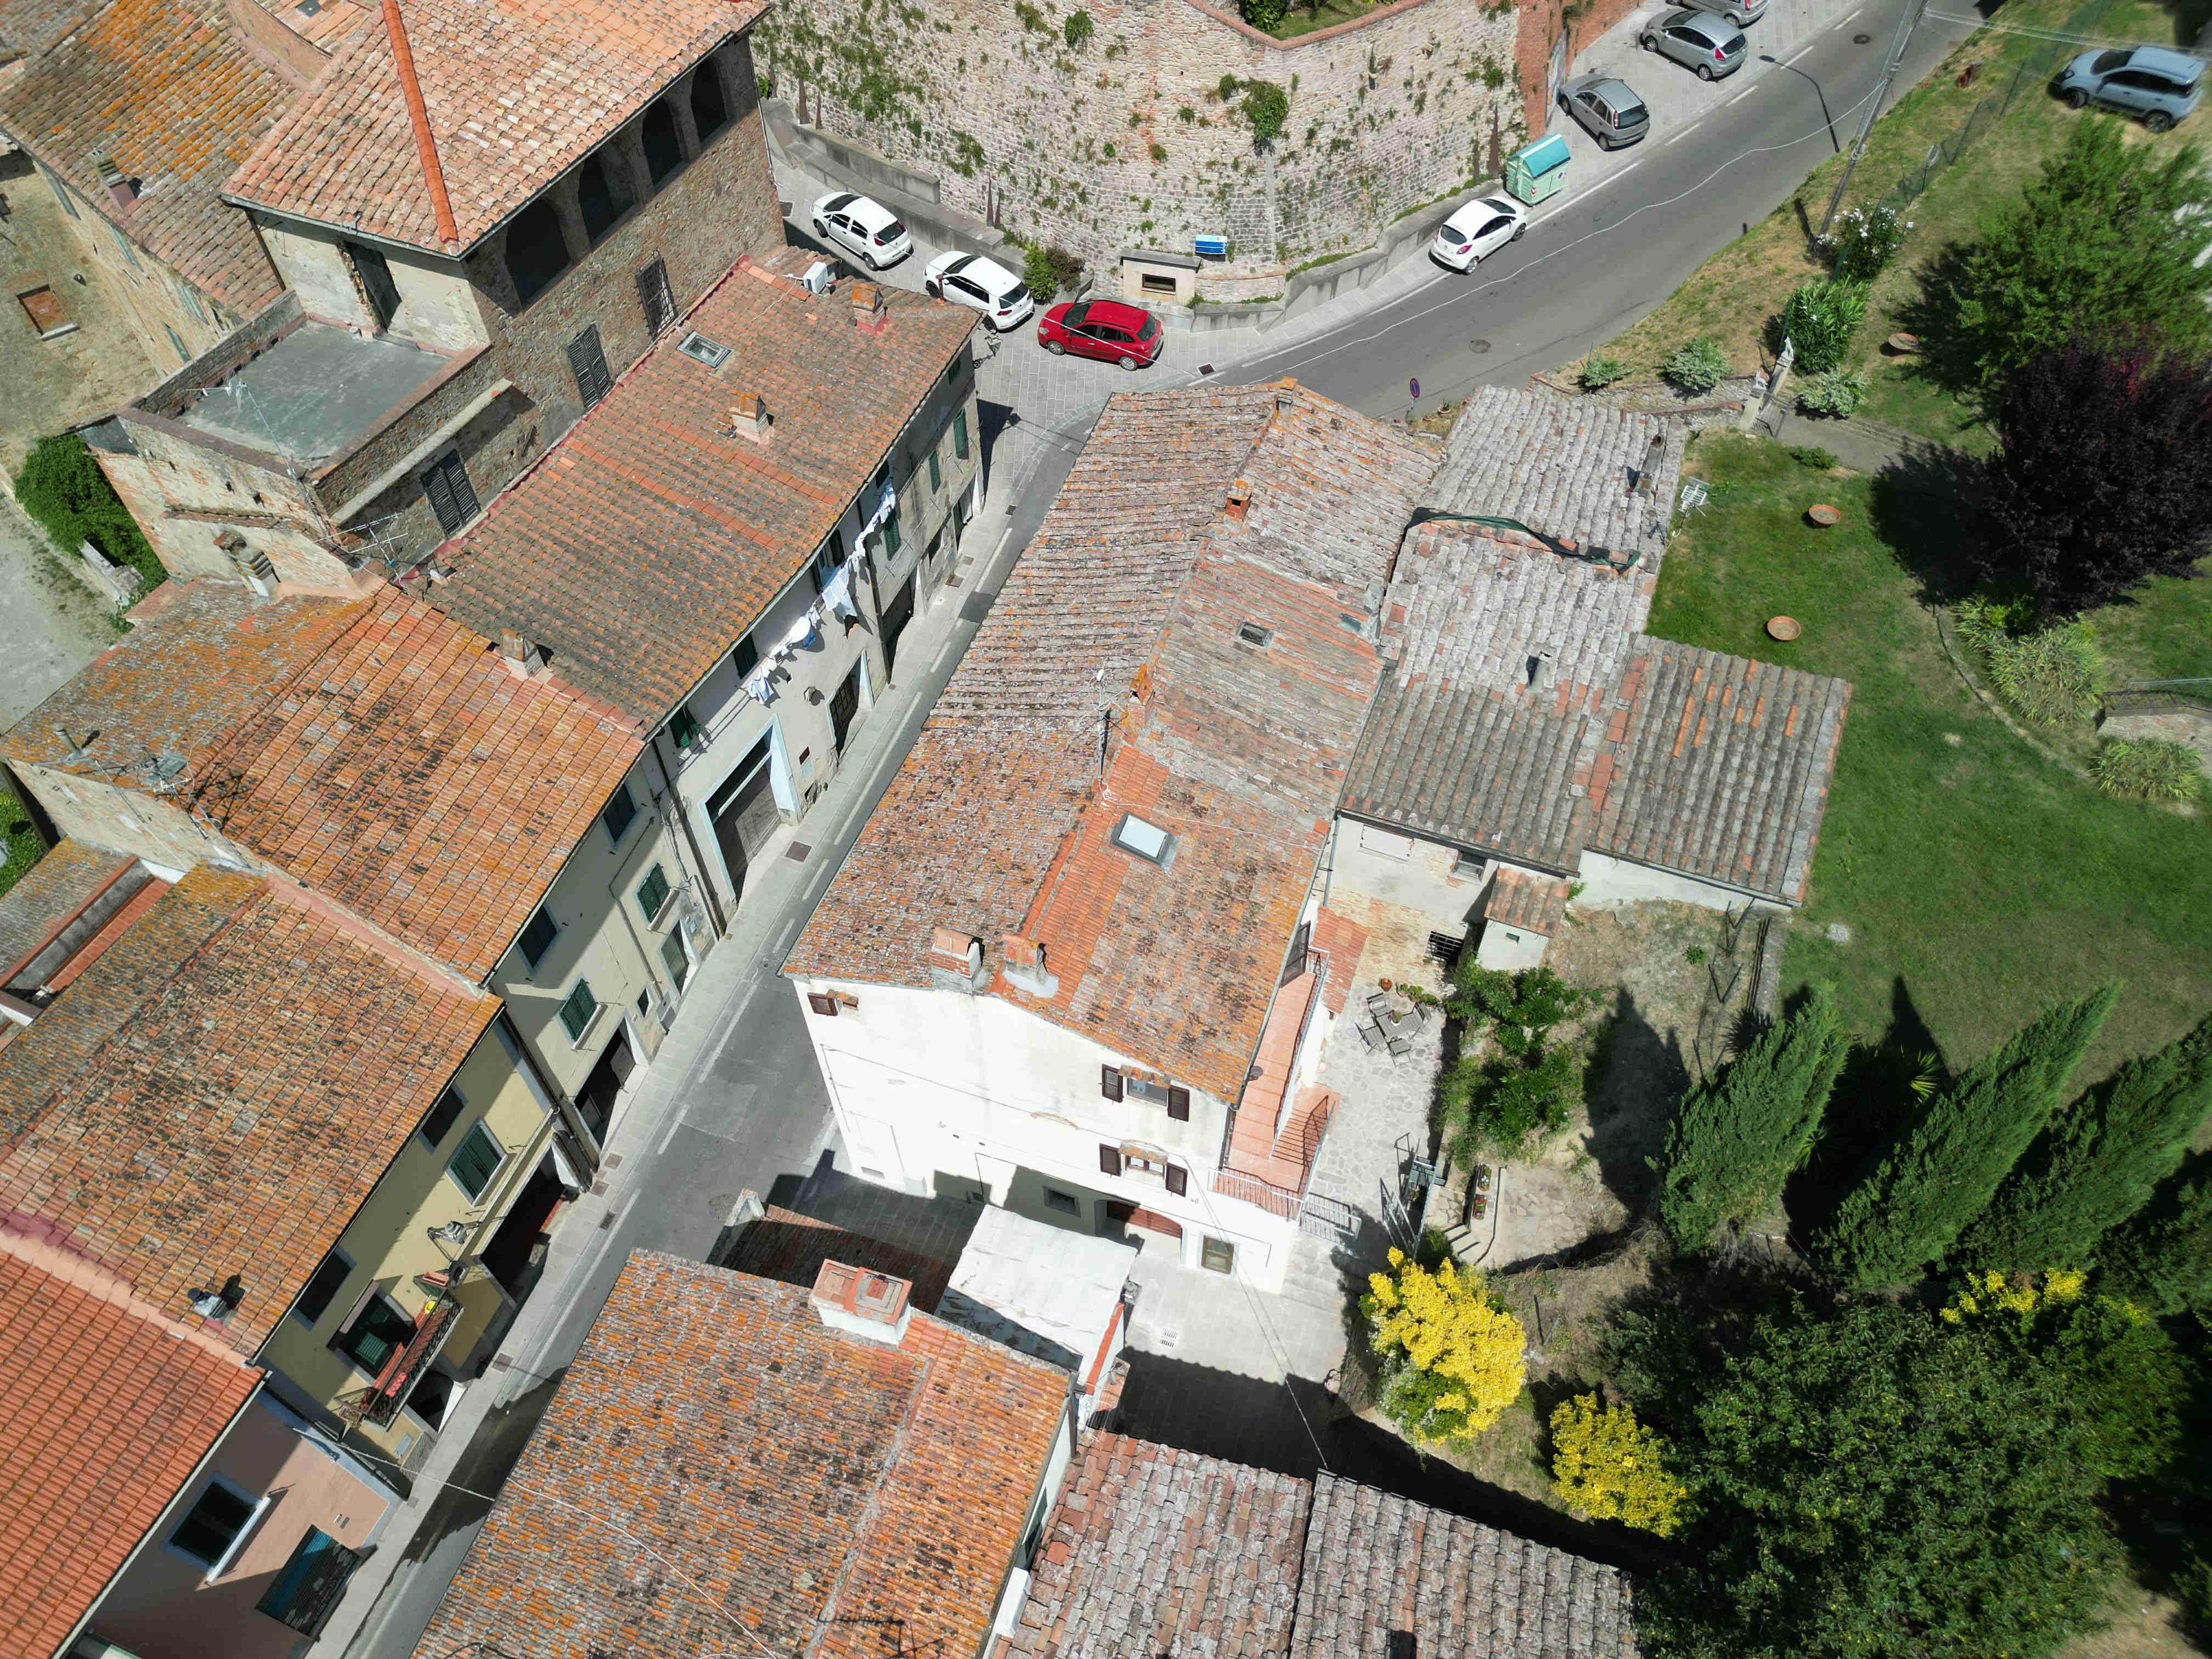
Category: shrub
[2148,769]
[1696,367]
[1820,319]
[1266,106]
[1159,152]
[1077,29]
[1519,1009]
[1227,89]
[62,487]
[1820,460]
[1038,273]
[1451,1359]
[1611,1467]
[1031,18]
[1066,269]
[1498,1103]
[1601,372]
[1836,394]
[1864,241]
[1186,114]
[2054,678]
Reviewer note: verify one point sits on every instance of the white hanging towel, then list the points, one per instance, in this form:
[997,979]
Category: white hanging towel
[838,597]
[762,687]
[802,632]
[885,507]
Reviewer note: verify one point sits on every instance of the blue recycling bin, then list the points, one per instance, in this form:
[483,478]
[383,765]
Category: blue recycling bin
[1537,172]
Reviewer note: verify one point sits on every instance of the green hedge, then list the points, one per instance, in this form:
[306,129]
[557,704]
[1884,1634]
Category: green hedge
[62,487]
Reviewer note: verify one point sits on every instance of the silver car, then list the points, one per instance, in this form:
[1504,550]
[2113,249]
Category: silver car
[2161,86]
[1607,108]
[1741,13]
[1704,40]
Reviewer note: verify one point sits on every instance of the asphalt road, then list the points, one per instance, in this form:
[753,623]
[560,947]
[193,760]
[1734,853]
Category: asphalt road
[1585,273]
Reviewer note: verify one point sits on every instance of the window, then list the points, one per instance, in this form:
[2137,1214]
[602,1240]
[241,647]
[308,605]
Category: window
[213,1524]
[577,1010]
[1465,863]
[60,189]
[621,813]
[177,344]
[685,732]
[328,1280]
[1178,1180]
[1252,634]
[960,434]
[1110,1083]
[1110,1159]
[537,252]
[664,146]
[123,245]
[653,892]
[588,363]
[452,498]
[438,1122]
[936,472]
[537,936]
[376,274]
[654,295]
[710,110]
[190,296]
[892,539]
[1064,1202]
[603,192]
[477,1159]
[378,1331]
[1146,841]
[746,657]
[302,1594]
[1172,1095]
[697,345]
[1217,1255]
[827,558]
[1153,282]
[672,954]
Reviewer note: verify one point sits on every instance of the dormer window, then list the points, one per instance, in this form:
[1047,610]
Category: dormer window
[1253,634]
[1146,840]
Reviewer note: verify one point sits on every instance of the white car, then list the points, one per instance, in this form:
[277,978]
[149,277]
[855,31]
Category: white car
[1481,227]
[982,284]
[867,228]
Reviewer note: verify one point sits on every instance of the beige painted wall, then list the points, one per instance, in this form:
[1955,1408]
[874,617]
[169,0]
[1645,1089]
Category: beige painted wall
[437,305]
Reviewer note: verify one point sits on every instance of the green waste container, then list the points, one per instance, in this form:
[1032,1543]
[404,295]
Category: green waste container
[1537,172]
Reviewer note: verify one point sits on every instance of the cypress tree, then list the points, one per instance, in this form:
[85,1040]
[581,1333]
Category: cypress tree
[2160,1258]
[1940,1171]
[2097,1163]
[1738,1134]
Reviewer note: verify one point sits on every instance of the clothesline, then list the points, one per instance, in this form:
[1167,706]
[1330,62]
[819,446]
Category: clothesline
[836,600]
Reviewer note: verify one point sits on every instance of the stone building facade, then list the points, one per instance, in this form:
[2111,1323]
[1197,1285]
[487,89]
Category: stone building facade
[1125,138]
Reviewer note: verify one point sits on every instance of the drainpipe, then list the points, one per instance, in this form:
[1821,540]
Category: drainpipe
[698,858]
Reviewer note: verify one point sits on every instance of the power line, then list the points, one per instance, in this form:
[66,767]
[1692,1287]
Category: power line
[2059,35]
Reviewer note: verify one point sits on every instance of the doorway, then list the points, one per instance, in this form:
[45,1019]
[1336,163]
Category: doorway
[847,702]
[896,615]
[508,1257]
[595,1101]
[743,816]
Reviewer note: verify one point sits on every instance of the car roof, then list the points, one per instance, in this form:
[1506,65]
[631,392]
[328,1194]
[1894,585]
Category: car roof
[1616,93]
[1711,24]
[871,212]
[1113,311]
[982,268]
[2163,60]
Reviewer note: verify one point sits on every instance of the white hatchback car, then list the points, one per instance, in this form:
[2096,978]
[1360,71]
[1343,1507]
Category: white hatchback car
[867,228]
[981,284]
[1481,227]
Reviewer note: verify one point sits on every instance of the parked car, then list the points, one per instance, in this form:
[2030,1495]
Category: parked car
[981,284]
[2160,85]
[1481,226]
[865,227]
[1608,109]
[1106,328]
[1741,13]
[1706,41]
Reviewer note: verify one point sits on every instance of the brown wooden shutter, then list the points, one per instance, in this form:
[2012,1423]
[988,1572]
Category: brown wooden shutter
[1110,1159]
[1109,1082]
[1178,1103]
[822,1002]
[1178,1180]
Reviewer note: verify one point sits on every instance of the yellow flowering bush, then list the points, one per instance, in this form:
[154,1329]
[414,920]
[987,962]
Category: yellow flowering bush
[1451,1359]
[1610,1467]
[2023,1297]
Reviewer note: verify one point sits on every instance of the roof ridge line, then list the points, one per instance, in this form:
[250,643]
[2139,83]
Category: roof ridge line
[418,117]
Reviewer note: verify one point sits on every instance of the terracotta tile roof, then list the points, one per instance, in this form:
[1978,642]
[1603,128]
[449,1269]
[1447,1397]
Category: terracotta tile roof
[1723,767]
[651,537]
[1564,466]
[28,28]
[49,891]
[1523,899]
[515,94]
[105,1412]
[1342,941]
[716,1455]
[409,774]
[1153,1552]
[170,89]
[220,1090]
[181,682]
[1374,1564]
[791,1247]
[1130,601]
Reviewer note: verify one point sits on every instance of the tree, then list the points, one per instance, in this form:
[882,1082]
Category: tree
[2097,1163]
[1940,1169]
[1451,1358]
[1526,1088]
[1266,106]
[2095,239]
[2104,477]
[1266,15]
[1885,1485]
[1611,1467]
[1739,1133]
[2160,1258]
[61,486]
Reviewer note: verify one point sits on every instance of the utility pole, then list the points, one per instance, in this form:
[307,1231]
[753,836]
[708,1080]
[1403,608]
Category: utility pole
[1905,24]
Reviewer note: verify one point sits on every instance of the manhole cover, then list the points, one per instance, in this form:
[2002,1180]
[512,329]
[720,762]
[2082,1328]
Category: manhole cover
[1862,40]
[1205,368]
[798,852]
[1478,347]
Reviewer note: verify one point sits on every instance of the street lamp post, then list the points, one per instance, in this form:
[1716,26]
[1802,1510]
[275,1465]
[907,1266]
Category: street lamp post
[1905,24]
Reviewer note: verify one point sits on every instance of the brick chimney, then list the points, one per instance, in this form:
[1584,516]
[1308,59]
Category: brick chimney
[1240,500]
[870,311]
[122,190]
[523,657]
[1540,669]
[1025,965]
[862,1303]
[748,416]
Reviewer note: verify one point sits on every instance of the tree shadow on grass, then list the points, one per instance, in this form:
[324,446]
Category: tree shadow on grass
[1920,511]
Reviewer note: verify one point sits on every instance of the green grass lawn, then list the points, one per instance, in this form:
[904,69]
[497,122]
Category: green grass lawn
[19,840]
[1980,882]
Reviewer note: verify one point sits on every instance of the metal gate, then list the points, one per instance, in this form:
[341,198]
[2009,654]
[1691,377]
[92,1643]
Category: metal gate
[1331,1218]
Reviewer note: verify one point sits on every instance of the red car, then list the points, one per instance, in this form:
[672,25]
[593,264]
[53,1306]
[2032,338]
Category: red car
[1127,334]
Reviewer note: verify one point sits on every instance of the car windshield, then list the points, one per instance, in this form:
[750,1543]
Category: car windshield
[2107,62]
[890,233]
[1150,331]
